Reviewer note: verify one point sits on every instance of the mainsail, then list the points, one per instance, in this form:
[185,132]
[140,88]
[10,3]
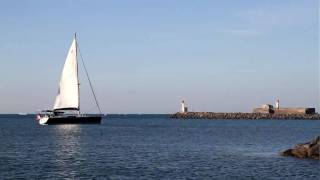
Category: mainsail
[68,94]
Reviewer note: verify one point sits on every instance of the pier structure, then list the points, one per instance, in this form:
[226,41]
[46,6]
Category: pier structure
[249,116]
[266,111]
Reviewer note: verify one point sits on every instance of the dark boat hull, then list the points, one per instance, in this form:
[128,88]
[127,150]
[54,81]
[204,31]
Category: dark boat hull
[74,120]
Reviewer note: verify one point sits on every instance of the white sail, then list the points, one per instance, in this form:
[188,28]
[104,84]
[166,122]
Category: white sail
[68,94]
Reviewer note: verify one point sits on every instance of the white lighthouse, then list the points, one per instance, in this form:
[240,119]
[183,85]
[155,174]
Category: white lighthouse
[184,107]
[277,104]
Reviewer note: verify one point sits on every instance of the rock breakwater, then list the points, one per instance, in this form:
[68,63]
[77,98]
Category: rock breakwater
[253,116]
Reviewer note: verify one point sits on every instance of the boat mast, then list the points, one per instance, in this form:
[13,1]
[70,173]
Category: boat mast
[75,38]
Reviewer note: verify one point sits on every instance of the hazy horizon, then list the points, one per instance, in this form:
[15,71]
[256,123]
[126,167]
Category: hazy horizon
[147,56]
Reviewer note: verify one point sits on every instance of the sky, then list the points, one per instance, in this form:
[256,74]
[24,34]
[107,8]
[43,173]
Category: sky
[146,56]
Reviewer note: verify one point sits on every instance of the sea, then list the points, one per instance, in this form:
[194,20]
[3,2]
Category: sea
[155,147]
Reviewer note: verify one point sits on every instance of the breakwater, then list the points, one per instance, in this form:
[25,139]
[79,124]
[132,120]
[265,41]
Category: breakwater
[253,116]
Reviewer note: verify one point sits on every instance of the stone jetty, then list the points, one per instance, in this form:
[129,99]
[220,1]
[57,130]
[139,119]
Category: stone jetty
[305,150]
[239,115]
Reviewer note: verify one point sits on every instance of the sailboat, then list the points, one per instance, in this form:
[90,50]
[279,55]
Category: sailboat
[66,109]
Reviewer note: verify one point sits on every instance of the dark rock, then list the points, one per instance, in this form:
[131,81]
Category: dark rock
[287,152]
[306,150]
[313,152]
[300,151]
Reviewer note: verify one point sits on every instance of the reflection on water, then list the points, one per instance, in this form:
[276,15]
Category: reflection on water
[66,127]
[68,153]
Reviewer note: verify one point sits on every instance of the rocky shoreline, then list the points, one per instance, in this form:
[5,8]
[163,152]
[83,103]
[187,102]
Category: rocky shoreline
[252,116]
[310,150]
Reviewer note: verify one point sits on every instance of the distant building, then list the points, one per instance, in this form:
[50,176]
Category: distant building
[184,107]
[269,109]
[267,106]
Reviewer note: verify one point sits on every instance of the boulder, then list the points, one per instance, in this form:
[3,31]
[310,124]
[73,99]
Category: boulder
[306,150]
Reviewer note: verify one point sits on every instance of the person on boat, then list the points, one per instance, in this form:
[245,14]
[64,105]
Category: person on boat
[38,117]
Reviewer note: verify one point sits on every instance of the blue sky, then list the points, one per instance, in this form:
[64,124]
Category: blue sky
[145,56]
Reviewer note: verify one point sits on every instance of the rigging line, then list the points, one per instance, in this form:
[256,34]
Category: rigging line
[85,69]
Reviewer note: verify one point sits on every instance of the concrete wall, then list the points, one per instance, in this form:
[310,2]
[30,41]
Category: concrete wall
[295,111]
[285,110]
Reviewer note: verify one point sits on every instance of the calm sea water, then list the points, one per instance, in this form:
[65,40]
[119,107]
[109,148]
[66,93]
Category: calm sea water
[154,147]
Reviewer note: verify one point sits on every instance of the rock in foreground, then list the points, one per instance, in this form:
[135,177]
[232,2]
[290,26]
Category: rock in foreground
[305,150]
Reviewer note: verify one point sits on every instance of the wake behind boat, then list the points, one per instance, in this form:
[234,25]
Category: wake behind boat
[66,109]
